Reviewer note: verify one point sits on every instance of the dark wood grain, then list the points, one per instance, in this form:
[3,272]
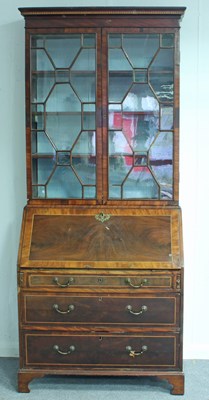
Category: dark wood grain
[84,238]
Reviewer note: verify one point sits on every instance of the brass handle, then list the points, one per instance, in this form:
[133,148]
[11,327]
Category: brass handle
[67,284]
[143,283]
[133,353]
[143,309]
[71,307]
[64,353]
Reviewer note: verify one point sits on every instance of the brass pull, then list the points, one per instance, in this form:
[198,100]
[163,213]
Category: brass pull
[143,283]
[133,353]
[64,353]
[71,307]
[67,284]
[143,309]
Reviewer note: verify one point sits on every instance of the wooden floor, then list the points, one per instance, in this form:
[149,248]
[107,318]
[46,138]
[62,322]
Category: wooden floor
[87,388]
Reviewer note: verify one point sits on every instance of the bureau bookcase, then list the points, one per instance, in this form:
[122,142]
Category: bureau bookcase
[100,264]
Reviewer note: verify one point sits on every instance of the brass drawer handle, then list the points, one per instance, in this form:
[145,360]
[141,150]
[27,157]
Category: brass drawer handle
[133,353]
[64,353]
[143,283]
[67,284]
[143,309]
[71,307]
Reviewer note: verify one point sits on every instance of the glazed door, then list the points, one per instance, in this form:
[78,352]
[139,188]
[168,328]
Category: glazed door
[65,113]
[140,128]
[102,127]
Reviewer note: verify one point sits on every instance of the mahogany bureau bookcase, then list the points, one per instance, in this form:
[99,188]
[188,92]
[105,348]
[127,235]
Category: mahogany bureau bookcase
[100,264]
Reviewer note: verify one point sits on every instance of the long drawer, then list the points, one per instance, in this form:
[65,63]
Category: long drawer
[128,280]
[66,309]
[100,351]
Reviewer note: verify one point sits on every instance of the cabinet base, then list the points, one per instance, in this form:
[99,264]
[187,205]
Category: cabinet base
[175,379]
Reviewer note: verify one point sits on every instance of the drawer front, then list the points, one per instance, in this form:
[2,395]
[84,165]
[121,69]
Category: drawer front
[111,310]
[87,350]
[63,281]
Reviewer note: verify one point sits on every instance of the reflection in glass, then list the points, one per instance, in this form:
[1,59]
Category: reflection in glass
[166,117]
[140,98]
[140,184]
[115,116]
[140,80]
[119,167]
[161,162]
[161,74]
[118,143]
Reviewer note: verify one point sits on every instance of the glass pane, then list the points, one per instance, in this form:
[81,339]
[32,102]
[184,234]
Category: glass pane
[63,129]
[119,168]
[167,40]
[89,122]
[140,76]
[40,61]
[86,144]
[85,61]
[62,75]
[161,74]
[161,162]
[63,158]
[37,119]
[115,116]
[141,129]
[89,40]
[39,192]
[64,184]
[140,184]
[166,118]
[89,192]
[41,143]
[140,98]
[119,84]
[62,99]
[62,49]
[84,85]
[118,144]
[140,48]
[85,169]
[42,169]
[42,84]
[115,40]
[37,41]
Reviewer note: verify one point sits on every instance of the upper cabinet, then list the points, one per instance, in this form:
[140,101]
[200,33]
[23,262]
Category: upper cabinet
[102,106]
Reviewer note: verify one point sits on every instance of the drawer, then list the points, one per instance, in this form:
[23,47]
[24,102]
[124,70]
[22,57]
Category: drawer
[71,281]
[110,350]
[101,309]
